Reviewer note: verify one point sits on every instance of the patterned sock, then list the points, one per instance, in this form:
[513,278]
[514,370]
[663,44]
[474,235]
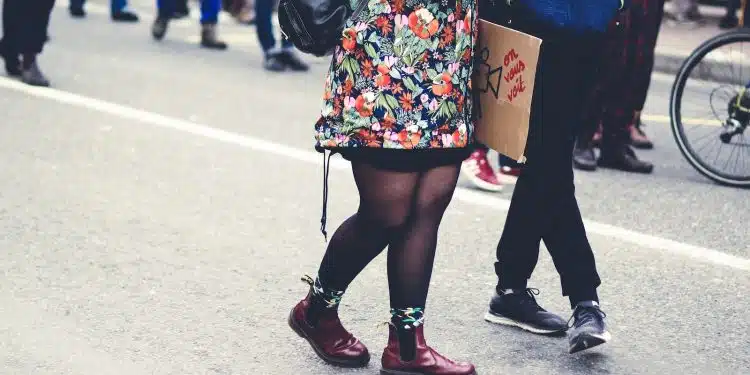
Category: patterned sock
[405,321]
[322,299]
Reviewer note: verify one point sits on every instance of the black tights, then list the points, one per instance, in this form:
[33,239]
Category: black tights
[401,210]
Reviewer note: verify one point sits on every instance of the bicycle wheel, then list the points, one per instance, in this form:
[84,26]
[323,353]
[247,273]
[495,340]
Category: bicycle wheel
[726,124]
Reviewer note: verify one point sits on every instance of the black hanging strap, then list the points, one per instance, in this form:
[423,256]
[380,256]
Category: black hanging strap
[324,216]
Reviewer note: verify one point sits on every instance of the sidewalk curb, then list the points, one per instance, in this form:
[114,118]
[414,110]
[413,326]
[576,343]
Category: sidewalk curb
[668,63]
[717,71]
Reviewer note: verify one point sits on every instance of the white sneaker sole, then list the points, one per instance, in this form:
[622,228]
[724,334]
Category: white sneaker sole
[589,341]
[492,318]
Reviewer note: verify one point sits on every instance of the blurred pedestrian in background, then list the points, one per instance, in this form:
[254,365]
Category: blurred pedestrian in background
[209,19]
[181,10]
[117,9]
[615,104]
[25,24]
[685,12]
[274,58]
[243,11]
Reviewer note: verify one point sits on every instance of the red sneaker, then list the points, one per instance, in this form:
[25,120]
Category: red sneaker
[508,175]
[478,170]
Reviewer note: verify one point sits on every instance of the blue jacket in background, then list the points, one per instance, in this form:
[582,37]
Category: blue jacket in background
[575,14]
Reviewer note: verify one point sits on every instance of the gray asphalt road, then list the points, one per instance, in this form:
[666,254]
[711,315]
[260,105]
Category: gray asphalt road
[160,205]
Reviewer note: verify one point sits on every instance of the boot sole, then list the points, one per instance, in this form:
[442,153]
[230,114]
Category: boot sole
[330,360]
[397,372]
[622,168]
[584,167]
[496,319]
[586,342]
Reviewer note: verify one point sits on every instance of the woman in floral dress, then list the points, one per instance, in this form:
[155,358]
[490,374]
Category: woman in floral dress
[397,104]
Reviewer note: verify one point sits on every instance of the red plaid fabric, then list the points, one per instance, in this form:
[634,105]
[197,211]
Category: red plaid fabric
[625,70]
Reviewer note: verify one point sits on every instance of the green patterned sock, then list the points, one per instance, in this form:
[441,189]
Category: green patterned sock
[322,299]
[405,321]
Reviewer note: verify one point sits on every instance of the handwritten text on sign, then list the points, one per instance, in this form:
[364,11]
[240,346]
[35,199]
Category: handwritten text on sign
[514,66]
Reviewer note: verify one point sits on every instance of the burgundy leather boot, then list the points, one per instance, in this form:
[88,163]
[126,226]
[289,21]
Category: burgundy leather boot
[328,338]
[426,361]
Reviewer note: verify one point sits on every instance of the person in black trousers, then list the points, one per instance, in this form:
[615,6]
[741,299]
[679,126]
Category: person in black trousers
[615,103]
[24,35]
[544,205]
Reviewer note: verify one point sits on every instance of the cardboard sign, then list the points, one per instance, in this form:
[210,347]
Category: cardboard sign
[504,83]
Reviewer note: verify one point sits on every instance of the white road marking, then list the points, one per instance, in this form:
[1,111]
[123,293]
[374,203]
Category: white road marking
[258,144]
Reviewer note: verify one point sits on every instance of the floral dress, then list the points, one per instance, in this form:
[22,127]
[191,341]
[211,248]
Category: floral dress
[400,79]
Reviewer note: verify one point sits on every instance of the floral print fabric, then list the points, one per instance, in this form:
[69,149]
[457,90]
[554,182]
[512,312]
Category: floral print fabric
[401,77]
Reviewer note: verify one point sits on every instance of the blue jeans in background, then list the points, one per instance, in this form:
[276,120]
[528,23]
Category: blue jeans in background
[264,25]
[209,10]
[115,6]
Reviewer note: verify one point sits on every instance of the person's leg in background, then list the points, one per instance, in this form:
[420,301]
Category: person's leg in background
[165,10]
[181,9]
[32,37]
[685,12]
[209,20]
[9,45]
[610,60]
[76,8]
[619,107]
[118,10]
[730,20]
[274,59]
[646,24]
[478,170]
[243,11]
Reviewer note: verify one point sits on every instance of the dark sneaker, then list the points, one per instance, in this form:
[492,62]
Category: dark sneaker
[292,61]
[520,309]
[584,158]
[159,28]
[624,159]
[589,328]
[124,16]
[33,76]
[274,63]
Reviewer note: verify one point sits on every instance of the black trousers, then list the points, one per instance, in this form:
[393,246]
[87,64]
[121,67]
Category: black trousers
[544,206]
[25,25]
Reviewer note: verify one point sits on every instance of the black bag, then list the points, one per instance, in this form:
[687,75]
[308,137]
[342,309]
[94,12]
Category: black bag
[316,26]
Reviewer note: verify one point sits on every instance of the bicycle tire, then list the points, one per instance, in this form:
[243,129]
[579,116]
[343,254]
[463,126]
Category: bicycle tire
[675,102]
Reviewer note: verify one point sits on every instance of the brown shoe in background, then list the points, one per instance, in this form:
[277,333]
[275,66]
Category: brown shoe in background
[209,38]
